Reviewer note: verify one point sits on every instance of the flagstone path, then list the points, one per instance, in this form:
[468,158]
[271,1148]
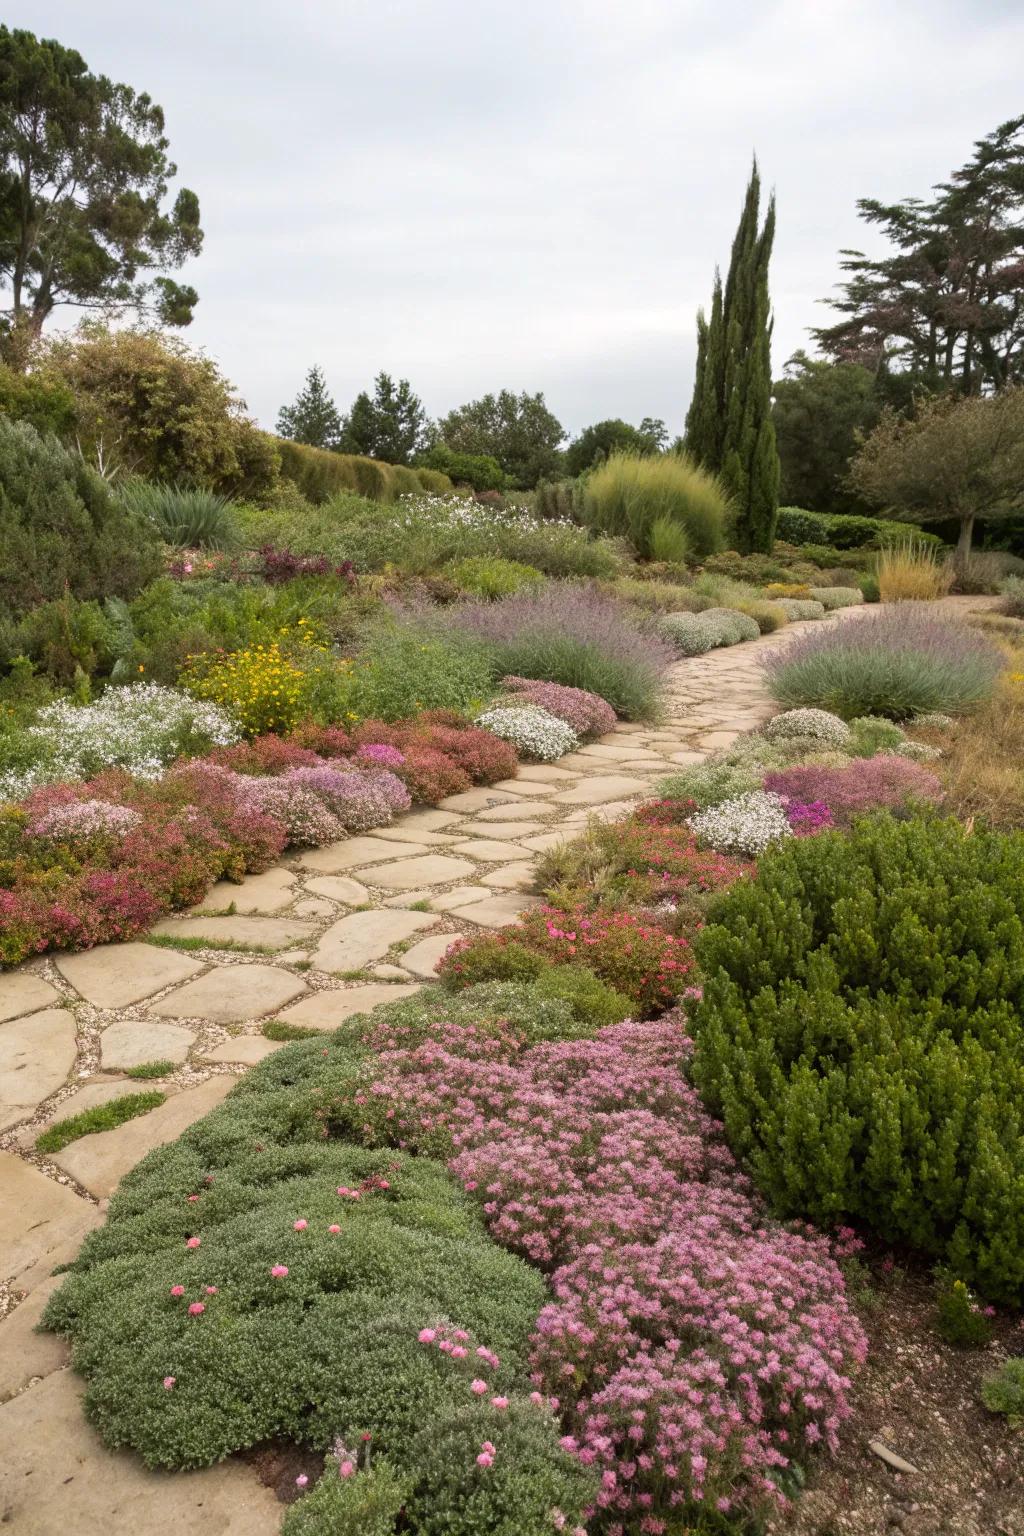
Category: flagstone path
[325,934]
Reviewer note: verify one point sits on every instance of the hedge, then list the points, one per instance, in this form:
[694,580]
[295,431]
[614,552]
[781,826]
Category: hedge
[841,530]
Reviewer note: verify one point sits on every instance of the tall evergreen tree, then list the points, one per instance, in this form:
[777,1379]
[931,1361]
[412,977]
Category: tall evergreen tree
[392,426]
[313,419]
[729,426]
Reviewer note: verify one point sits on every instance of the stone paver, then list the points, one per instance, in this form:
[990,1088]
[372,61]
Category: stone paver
[340,888]
[506,831]
[24,1353]
[328,1009]
[37,1052]
[336,858]
[100,1162]
[497,911]
[257,932]
[246,1050]
[115,975]
[354,941]
[41,1223]
[23,992]
[476,799]
[232,994]
[511,877]
[545,773]
[130,1042]
[487,851]
[430,869]
[422,958]
[548,840]
[458,896]
[80,1487]
[514,810]
[592,791]
[271,891]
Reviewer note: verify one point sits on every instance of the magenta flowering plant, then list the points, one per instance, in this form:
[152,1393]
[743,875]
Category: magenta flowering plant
[883,782]
[807,817]
[586,713]
[380,754]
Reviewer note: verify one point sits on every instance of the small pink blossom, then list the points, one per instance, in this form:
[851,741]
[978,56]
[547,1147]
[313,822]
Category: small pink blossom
[211,1290]
[300,1225]
[346,1469]
[478,1386]
[499,1402]
[485,1459]
[427,1335]
[169,1383]
[279,1271]
[193,1242]
[177,1290]
[302,1480]
[334,1229]
[196,1308]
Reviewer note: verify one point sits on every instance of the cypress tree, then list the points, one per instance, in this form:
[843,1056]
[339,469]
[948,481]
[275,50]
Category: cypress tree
[729,426]
[314,418]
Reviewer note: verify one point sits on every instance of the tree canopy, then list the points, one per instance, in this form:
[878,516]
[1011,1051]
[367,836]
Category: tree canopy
[729,428]
[392,425]
[313,418]
[946,303]
[955,459]
[84,174]
[517,430]
[597,442]
[819,409]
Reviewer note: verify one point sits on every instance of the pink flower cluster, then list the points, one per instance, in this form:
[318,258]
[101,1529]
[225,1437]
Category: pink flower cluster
[380,754]
[692,1345]
[587,713]
[883,782]
[807,817]
[320,804]
[82,820]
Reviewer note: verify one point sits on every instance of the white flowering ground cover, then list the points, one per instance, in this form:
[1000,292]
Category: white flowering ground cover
[532,731]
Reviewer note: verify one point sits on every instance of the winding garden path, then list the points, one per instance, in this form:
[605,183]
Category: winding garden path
[326,933]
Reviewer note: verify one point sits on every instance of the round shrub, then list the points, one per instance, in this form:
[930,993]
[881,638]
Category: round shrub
[883,782]
[532,731]
[631,495]
[800,608]
[860,1036]
[710,782]
[490,576]
[873,733]
[583,712]
[745,826]
[815,724]
[694,633]
[832,598]
[899,662]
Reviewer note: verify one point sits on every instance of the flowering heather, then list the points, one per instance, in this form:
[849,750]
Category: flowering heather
[380,754]
[279,565]
[349,800]
[885,782]
[585,713]
[806,818]
[531,730]
[596,1161]
[901,662]
[82,820]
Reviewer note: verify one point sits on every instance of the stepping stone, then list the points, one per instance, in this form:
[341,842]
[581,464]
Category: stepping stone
[689,757]
[231,994]
[613,811]
[37,1053]
[314,908]
[458,897]
[475,799]
[502,829]
[529,791]
[422,959]
[390,972]
[716,739]
[100,1162]
[431,869]
[400,835]
[57,1476]
[354,941]
[247,1049]
[408,899]
[266,932]
[130,1042]
[497,911]
[353,852]
[544,773]
[488,852]
[271,891]
[115,975]
[595,791]
[24,992]
[329,1008]
[519,810]
[41,1225]
[547,840]
[620,751]
[25,1354]
[513,877]
[427,820]
[339,888]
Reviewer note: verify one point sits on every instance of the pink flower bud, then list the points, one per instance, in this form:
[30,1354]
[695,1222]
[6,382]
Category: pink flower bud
[300,1225]
[197,1308]
[478,1386]
[279,1271]
[193,1242]
[169,1383]
[177,1290]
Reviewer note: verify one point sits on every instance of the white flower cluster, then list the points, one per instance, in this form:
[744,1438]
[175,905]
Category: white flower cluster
[934,722]
[746,825]
[458,512]
[532,731]
[694,633]
[918,751]
[815,724]
[141,728]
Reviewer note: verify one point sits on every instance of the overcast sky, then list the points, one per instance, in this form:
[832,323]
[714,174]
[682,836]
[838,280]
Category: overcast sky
[532,194]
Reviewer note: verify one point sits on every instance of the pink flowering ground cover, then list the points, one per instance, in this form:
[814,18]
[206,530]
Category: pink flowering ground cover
[587,713]
[693,1348]
[883,782]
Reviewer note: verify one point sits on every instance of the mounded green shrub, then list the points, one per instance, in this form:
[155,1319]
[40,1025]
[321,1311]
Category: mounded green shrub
[797,525]
[321,474]
[860,1036]
[491,576]
[832,598]
[476,469]
[434,481]
[693,634]
[60,528]
[631,496]
[405,481]
[797,609]
[186,517]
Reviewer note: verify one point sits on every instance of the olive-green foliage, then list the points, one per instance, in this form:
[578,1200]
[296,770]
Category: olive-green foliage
[1003,1391]
[320,473]
[331,1348]
[478,470]
[433,481]
[960,1321]
[46,405]
[710,782]
[860,1036]
[60,528]
[659,596]
[837,597]
[629,494]
[158,1068]
[405,481]
[400,671]
[186,517]
[560,1002]
[277,1029]
[366,1503]
[104,1117]
[490,576]
[873,733]
[693,634]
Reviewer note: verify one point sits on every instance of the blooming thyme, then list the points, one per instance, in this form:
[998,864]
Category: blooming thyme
[80,820]
[815,724]
[746,825]
[532,731]
[584,712]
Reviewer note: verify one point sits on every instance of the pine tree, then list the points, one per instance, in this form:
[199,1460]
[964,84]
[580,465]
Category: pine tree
[729,425]
[313,419]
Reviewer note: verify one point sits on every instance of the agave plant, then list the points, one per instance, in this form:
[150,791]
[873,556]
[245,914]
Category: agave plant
[187,517]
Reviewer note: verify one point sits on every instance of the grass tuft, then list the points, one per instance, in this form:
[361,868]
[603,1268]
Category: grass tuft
[105,1117]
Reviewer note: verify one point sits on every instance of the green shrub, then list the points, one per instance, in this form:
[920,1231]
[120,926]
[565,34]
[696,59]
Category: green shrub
[798,609]
[47,405]
[873,733]
[490,576]
[832,598]
[658,596]
[65,639]
[629,494]
[402,671]
[60,528]
[434,482]
[710,782]
[183,516]
[318,473]
[693,634]
[404,481]
[868,584]
[960,1321]
[558,1002]
[366,1503]
[668,541]
[860,1036]
[1003,1391]
[371,478]
[846,531]
[104,1117]
[476,469]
